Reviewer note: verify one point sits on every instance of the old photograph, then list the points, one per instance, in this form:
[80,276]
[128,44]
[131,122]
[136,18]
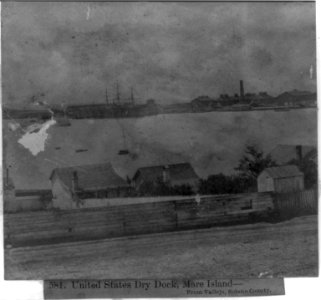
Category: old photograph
[159,140]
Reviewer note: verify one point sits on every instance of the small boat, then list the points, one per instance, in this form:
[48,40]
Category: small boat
[81,150]
[282,109]
[123,152]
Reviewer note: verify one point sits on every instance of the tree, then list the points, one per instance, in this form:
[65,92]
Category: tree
[160,188]
[308,167]
[253,163]
[223,184]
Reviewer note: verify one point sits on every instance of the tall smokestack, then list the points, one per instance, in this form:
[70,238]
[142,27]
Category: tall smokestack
[298,150]
[241,89]
[74,182]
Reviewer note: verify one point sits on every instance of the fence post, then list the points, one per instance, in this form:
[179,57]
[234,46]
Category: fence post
[176,215]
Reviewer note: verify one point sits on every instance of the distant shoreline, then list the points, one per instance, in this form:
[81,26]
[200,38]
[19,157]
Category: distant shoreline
[104,112]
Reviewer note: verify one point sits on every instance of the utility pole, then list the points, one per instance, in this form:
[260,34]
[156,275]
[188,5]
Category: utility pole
[132,96]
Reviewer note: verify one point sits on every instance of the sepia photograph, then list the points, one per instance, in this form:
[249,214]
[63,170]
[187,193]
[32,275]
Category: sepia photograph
[149,140]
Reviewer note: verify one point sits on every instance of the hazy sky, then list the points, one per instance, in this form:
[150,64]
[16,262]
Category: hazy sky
[167,51]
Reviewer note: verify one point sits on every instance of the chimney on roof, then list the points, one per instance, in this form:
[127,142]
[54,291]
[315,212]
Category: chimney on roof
[298,150]
[7,177]
[74,182]
[241,89]
[166,176]
[132,96]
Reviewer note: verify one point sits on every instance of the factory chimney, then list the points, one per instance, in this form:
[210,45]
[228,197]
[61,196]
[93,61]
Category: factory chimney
[241,90]
[74,182]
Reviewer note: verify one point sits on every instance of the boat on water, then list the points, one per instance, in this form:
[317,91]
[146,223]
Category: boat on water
[282,109]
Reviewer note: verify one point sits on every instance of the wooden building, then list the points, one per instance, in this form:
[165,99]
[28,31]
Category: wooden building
[173,175]
[283,154]
[282,179]
[71,185]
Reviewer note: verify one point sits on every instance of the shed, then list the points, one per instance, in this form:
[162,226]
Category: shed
[283,179]
[86,182]
[173,174]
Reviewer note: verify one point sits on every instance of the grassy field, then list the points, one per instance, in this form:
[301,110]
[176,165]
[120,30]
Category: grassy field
[285,249]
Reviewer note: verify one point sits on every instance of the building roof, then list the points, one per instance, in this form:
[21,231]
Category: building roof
[203,99]
[179,171]
[282,154]
[297,95]
[283,171]
[23,193]
[90,177]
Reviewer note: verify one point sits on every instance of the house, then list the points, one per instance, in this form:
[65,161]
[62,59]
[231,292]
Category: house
[173,175]
[72,184]
[282,179]
[283,154]
[16,200]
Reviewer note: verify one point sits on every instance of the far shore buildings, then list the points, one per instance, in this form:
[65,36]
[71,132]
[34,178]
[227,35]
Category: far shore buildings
[297,98]
[87,182]
[172,174]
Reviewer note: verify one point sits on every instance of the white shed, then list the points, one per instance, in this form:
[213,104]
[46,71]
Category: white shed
[283,179]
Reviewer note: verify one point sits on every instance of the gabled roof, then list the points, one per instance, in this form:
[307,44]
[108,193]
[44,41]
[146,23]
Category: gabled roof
[23,193]
[90,177]
[204,98]
[283,171]
[282,154]
[297,95]
[176,172]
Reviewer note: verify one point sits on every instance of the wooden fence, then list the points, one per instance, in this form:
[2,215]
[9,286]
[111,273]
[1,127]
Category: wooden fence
[296,203]
[125,220]
[54,226]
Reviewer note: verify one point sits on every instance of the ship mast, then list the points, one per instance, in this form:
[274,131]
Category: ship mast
[107,101]
[117,93]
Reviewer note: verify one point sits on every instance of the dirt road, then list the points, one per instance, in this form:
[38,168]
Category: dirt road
[283,249]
